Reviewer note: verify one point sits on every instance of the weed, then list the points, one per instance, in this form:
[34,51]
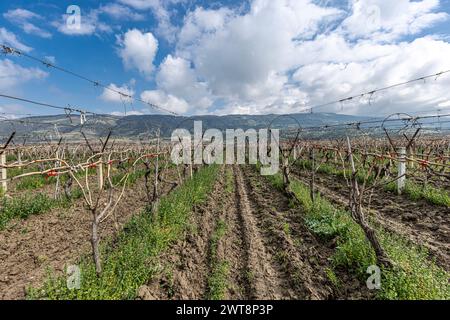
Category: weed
[414,277]
[129,262]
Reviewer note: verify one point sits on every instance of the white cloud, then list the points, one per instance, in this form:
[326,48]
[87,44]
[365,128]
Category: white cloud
[168,102]
[141,4]
[388,20]
[12,75]
[9,38]
[160,10]
[114,96]
[11,111]
[281,56]
[149,4]
[138,50]
[20,14]
[444,104]
[331,79]
[50,59]
[176,77]
[129,113]
[247,57]
[200,22]
[32,29]
[120,12]
[90,25]
[22,18]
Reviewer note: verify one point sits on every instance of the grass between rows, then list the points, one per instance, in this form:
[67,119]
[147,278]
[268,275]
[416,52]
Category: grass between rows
[413,191]
[131,260]
[23,206]
[218,279]
[414,276]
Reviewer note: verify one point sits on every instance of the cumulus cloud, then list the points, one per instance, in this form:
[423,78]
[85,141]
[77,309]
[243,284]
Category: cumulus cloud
[165,28]
[283,56]
[12,74]
[388,20]
[247,56]
[166,101]
[90,25]
[402,62]
[176,77]
[113,95]
[138,50]
[22,18]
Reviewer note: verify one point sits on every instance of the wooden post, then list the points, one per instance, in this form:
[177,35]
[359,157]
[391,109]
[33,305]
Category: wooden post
[4,174]
[19,158]
[401,169]
[100,175]
[313,176]
[155,190]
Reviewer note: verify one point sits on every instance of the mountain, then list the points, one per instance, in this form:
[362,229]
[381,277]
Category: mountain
[131,127]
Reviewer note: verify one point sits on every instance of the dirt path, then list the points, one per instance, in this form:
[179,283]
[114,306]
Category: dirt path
[269,251]
[185,266]
[54,240]
[268,281]
[303,258]
[418,221]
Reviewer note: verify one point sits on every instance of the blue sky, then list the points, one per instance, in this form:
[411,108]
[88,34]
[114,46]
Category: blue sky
[221,57]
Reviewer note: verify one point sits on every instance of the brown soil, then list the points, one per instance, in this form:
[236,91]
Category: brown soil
[30,248]
[270,253]
[418,221]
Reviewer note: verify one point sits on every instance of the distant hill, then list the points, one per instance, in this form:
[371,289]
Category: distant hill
[131,127]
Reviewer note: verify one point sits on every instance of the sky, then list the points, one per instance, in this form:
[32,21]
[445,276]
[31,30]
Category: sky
[227,56]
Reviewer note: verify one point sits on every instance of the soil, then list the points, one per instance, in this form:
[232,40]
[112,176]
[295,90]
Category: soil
[31,248]
[418,221]
[270,252]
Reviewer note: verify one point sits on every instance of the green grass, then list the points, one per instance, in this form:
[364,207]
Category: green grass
[23,206]
[413,191]
[414,276]
[229,179]
[131,260]
[36,182]
[217,281]
[429,193]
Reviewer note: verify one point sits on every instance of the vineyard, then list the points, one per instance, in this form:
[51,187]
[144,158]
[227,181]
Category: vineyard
[151,195]
[132,224]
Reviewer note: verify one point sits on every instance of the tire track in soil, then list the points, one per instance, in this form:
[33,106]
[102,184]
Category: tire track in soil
[185,266]
[266,278]
[232,249]
[253,274]
[304,258]
[397,215]
[254,213]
